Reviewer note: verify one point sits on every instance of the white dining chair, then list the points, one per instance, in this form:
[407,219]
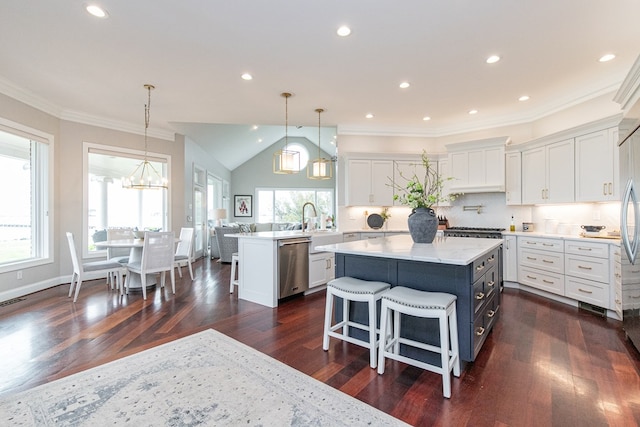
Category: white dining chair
[91,270]
[184,251]
[120,255]
[157,257]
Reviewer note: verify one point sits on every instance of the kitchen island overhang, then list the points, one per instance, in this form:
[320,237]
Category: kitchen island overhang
[469,268]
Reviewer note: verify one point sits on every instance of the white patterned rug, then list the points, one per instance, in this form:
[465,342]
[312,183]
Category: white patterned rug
[203,379]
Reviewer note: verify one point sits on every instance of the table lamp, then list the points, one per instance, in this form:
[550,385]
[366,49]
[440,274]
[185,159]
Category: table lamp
[220,214]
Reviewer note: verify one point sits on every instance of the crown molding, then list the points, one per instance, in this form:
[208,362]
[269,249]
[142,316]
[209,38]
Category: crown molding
[510,120]
[31,99]
[629,91]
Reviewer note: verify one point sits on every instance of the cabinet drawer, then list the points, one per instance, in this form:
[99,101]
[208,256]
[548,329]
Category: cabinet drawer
[599,250]
[350,237]
[554,245]
[547,261]
[483,322]
[484,263]
[587,267]
[631,297]
[587,291]
[546,281]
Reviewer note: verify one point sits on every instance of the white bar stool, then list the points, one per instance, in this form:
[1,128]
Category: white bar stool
[352,289]
[435,305]
[234,265]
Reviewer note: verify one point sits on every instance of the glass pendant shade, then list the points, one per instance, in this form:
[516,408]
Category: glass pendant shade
[286,161]
[319,168]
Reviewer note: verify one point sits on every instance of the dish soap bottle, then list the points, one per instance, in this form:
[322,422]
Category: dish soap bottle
[512,227]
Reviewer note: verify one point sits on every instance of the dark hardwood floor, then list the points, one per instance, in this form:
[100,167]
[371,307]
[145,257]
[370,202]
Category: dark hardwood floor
[545,363]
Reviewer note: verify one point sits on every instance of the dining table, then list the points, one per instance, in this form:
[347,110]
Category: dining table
[135,255]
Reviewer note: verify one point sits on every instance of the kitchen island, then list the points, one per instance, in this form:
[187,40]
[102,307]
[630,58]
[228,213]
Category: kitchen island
[263,278]
[468,268]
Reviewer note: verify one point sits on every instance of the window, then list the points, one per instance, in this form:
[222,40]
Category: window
[278,205]
[108,205]
[25,223]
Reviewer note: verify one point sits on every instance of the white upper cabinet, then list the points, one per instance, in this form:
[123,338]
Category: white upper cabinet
[477,166]
[548,173]
[597,166]
[513,177]
[369,183]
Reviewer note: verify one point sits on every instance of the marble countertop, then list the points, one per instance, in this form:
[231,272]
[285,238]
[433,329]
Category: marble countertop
[282,235]
[603,239]
[443,250]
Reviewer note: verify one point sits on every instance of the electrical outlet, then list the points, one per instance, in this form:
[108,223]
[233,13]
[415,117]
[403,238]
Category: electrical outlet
[19,275]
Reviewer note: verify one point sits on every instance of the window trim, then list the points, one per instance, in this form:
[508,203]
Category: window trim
[42,216]
[88,147]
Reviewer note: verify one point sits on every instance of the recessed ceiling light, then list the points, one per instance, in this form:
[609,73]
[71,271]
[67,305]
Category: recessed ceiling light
[343,31]
[426,118]
[369,116]
[254,127]
[96,11]
[606,58]
[247,76]
[524,98]
[404,85]
[473,111]
[259,140]
[493,59]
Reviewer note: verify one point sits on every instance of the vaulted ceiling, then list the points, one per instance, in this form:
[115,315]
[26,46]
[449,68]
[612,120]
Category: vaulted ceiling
[56,56]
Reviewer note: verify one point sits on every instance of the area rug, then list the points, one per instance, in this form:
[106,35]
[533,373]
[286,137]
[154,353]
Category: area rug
[203,379]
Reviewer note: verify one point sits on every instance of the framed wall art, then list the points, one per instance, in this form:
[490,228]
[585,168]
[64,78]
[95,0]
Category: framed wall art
[242,206]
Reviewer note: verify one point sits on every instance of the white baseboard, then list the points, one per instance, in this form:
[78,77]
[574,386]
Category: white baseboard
[33,287]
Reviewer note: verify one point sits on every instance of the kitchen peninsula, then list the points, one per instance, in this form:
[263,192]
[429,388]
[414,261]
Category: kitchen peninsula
[468,268]
[275,264]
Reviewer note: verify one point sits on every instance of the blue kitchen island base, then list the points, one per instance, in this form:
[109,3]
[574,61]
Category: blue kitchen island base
[476,286]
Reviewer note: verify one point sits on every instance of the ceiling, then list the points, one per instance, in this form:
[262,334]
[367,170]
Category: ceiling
[57,56]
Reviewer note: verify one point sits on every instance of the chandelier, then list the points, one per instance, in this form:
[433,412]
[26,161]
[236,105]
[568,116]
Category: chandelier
[286,161]
[320,168]
[145,176]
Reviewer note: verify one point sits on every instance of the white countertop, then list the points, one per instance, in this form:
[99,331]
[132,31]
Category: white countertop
[282,235]
[443,250]
[603,239]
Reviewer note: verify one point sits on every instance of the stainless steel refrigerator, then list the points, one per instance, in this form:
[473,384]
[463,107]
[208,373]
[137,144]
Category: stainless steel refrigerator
[630,224]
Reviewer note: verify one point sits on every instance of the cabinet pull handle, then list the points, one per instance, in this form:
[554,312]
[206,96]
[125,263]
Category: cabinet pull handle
[585,291]
[585,268]
[547,281]
[547,244]
[532,277]
[584,249]
[610,188]
[493,258]
[480,267]
[480,331]
[532,258]
[479,296]
[604,189]
[490,314]
[542,194]
[547,261]
[635,297]
[491,284]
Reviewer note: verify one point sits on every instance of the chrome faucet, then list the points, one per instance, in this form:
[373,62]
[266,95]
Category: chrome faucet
[315,212]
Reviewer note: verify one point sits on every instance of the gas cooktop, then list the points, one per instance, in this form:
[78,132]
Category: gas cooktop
[480,232]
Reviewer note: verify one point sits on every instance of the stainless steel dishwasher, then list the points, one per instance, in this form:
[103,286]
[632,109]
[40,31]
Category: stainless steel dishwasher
[293,266]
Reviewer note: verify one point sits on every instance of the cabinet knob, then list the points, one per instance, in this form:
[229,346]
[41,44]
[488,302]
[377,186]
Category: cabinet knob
[480,331]
[479,296]
[490,314]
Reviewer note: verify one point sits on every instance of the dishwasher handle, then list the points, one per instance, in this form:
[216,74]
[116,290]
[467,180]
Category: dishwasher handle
[292,242]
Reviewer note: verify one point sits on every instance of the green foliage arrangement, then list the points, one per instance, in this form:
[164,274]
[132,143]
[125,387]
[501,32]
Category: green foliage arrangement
[421,192]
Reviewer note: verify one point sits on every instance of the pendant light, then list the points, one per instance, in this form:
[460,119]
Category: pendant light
[286,161]
[320,168]
[145,176]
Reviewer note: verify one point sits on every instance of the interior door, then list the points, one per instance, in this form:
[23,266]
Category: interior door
[199,212]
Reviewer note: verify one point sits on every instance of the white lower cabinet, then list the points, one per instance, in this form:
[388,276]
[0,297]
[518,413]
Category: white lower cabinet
[510,259]
[321,268]
[578,269]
